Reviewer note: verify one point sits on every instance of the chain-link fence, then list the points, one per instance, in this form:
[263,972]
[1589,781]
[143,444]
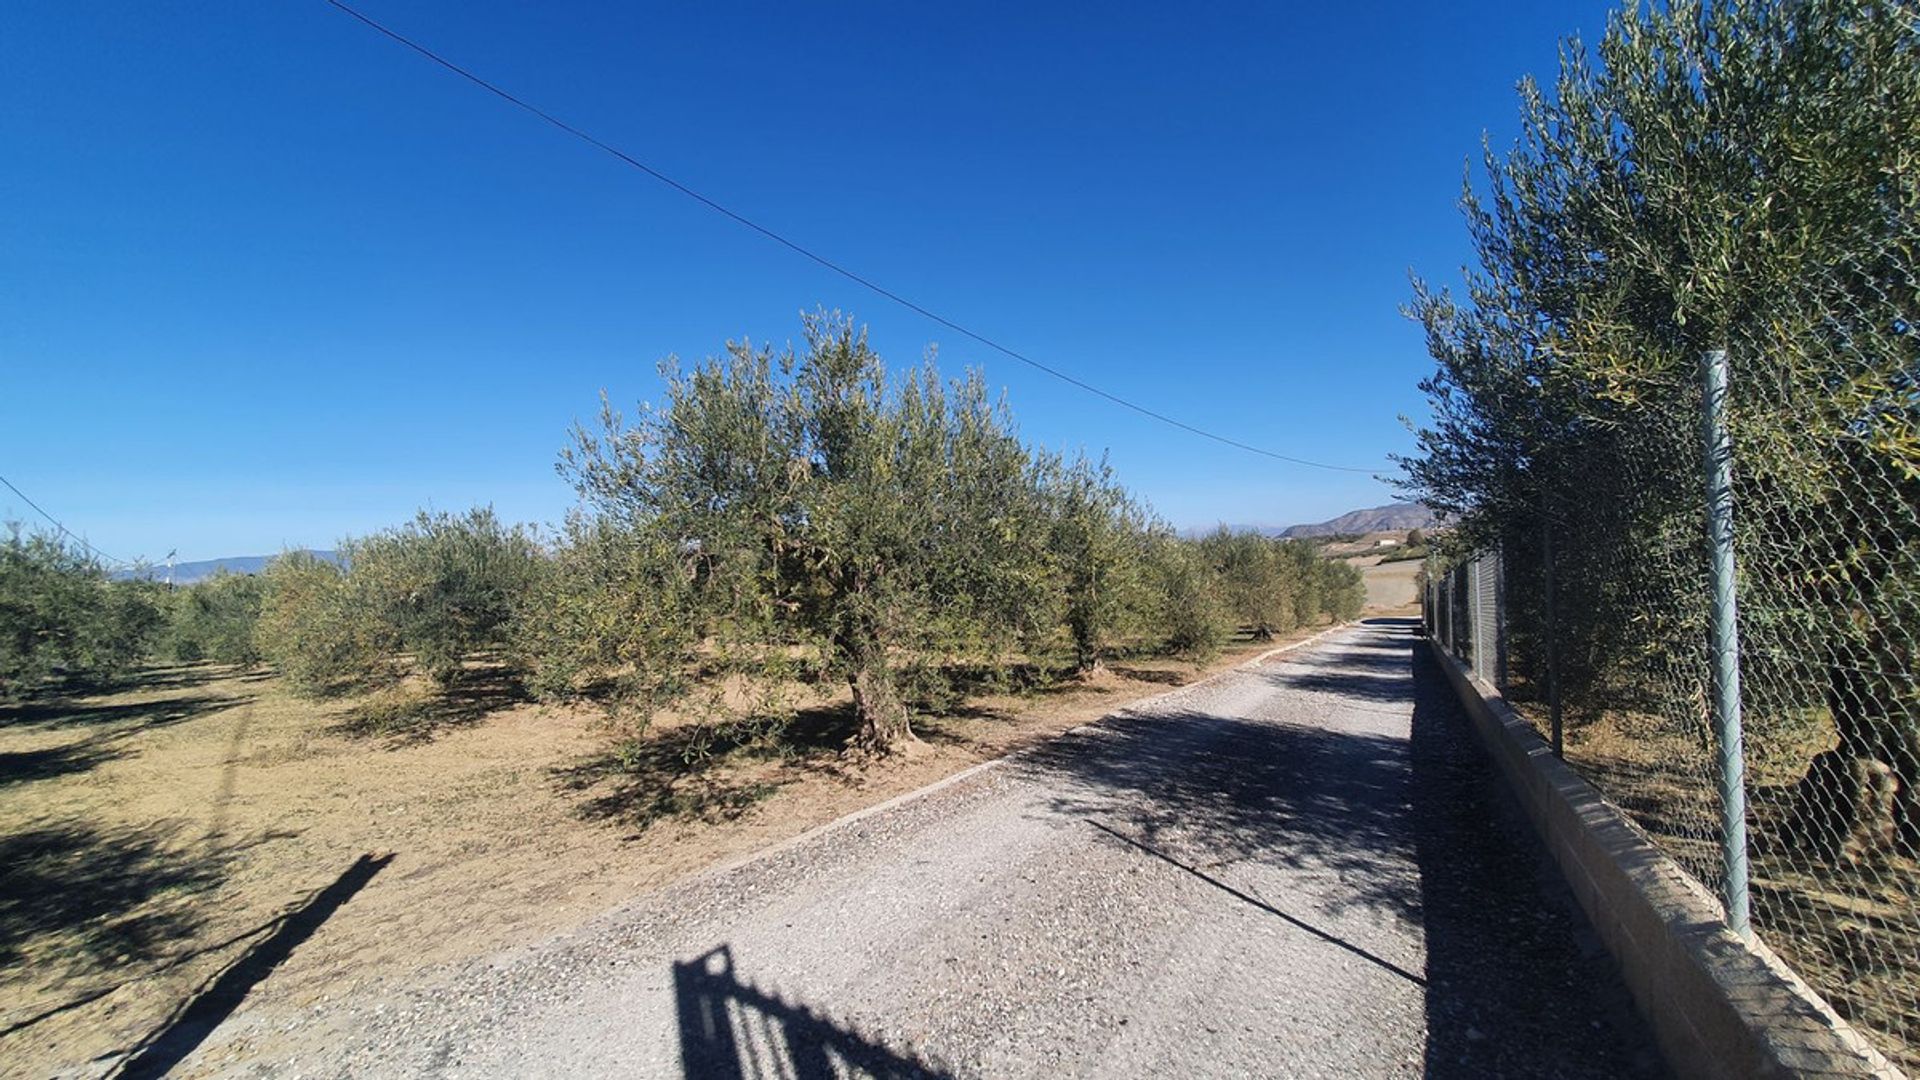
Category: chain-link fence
[1461,611]
[1737,557]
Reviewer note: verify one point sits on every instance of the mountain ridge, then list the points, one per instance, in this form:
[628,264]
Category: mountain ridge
[186,573]
[1389,518]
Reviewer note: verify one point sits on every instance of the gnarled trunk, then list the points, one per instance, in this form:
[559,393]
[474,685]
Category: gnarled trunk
[1861,800]
[883,716]
[1087,658]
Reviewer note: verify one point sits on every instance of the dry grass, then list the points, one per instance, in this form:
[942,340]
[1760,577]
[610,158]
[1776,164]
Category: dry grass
[152,837]
[1853,932]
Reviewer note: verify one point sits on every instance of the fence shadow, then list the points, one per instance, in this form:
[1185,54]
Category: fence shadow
[223,992]
[733,1030]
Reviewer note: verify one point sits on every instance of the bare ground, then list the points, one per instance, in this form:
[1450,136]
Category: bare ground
[160,840]
[1296,868]
[1391,586]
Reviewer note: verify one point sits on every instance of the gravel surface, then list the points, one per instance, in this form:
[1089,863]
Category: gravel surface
[1295,869]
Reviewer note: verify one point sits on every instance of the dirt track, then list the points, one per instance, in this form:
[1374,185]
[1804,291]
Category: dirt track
[1288,870]
[1390,586]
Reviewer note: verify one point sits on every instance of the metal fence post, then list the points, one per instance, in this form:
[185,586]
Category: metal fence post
[1725,641]
[1500,618]
[1469,582]
[1553,631]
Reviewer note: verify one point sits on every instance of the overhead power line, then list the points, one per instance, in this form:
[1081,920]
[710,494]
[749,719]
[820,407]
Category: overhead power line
[822,260]
[56,524]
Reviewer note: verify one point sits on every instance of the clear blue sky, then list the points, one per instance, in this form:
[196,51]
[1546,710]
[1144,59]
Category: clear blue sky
[267,278]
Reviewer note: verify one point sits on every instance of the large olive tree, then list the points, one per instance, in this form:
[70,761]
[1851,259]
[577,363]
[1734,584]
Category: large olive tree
[831,515]
[1739,176]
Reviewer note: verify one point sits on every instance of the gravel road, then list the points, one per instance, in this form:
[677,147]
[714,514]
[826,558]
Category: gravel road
[1294,869]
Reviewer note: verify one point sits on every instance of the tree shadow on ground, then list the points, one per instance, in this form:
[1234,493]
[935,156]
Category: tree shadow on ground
[25,766]
[402,718]
[1149,675]
[199,673]
[690,772]
[1206,791]
[1379,689]
[115,723]
[731,1029]
[58,713]
[87,896]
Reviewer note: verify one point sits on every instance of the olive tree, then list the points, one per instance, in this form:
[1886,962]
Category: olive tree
[1189,607]
[1100,540]
[830,511]
[316,630]
[1259,581]
[215,619]
[444,586]
[616,610]
[62,621]
[1734,176]
[439,589]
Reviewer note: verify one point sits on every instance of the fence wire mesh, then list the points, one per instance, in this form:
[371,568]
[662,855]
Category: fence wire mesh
[1605,596]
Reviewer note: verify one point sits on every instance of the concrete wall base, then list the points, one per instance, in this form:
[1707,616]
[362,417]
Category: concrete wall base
[1718,1006]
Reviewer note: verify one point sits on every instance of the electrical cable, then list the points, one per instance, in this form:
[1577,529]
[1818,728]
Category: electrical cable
[822,260]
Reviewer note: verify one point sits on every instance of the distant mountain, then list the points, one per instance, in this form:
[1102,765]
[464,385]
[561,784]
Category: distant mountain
[1389,518]
[187,573]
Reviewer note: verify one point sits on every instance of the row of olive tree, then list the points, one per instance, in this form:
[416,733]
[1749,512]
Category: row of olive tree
[434,592]
[62,620]
[804,516]
[1712,176]
[781,520]
[67,623]
[1271,585]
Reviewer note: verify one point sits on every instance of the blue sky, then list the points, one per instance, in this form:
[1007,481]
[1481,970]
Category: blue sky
[268,279]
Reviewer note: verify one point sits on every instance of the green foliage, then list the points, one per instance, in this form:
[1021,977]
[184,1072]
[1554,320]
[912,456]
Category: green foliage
[1343,591]
[214,620]
[1259,580]
[444,586]
[832,513]
[63,621]
[1407,553]
[1191,611]
[1272,585]
[315,629]
[616,604]
[1100,541]
[1713,175]
[440,588]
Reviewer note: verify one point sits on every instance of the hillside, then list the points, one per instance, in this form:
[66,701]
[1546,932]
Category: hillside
[1393,517]
[186,573]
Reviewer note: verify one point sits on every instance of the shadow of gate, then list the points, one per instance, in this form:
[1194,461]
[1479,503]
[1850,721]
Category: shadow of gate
[733,1030]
